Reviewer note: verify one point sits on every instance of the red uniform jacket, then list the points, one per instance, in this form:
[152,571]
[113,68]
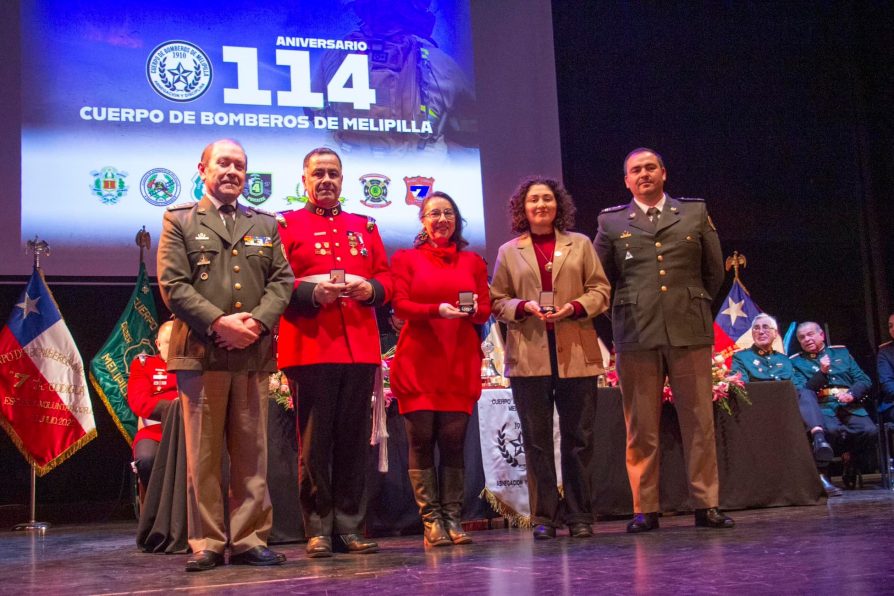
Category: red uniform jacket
[316,241]
[149,383]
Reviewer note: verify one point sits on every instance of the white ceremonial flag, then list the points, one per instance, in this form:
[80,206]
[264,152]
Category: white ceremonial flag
[503,456]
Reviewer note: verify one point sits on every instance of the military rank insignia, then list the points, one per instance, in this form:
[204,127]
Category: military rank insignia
[257,240]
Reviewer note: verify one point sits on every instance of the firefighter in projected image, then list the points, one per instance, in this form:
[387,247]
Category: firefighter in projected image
[414,80]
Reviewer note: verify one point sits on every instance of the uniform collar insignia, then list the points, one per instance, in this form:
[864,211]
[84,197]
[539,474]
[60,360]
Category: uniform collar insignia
[322,211]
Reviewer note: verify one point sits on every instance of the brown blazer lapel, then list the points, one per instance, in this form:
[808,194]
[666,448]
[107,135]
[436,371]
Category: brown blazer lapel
[526,250]
[563,249]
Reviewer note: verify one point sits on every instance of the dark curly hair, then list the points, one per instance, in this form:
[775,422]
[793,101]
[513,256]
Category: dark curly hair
[565,208]
[457,236]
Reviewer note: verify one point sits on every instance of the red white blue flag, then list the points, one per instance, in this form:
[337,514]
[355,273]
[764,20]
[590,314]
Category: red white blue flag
[732,326]
[44,402]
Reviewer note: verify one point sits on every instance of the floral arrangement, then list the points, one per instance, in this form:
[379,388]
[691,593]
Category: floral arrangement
[279,390]
[726,385]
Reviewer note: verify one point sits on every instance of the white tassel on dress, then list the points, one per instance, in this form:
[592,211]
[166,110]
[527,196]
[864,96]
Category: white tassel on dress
[379,434]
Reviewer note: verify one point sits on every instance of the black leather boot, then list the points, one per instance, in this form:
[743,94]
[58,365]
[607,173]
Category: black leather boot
[452,483]
[425,489]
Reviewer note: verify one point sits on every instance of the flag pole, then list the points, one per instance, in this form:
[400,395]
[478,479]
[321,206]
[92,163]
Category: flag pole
[32,525]
[36,247]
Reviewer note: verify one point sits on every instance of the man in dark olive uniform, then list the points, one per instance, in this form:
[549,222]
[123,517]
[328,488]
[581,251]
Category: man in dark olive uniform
[222,272]
[664,261]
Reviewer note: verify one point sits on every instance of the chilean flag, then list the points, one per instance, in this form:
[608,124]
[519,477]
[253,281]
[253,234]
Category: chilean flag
[732,326]
[44,402]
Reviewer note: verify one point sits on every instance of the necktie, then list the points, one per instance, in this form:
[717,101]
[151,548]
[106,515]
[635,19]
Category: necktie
[228,211]
[653,214]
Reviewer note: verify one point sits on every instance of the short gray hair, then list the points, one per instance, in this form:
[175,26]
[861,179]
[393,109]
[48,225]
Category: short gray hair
[765,317]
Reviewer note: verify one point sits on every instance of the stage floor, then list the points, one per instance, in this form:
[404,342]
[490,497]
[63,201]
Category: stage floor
[843,547]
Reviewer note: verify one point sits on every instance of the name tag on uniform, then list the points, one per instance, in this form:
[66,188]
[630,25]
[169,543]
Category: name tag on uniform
[257,241]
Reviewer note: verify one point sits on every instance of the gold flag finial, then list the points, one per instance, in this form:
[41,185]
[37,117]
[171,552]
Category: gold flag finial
[734,262]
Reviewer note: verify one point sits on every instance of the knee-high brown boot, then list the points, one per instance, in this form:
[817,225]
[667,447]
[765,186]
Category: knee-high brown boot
[452,492]
[425,489]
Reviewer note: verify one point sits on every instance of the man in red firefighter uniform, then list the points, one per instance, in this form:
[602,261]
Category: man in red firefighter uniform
[329,348]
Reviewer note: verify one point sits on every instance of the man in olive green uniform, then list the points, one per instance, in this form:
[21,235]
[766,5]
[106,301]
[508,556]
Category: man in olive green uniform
[223,274]
[664,260]
[832,376]
[761,362]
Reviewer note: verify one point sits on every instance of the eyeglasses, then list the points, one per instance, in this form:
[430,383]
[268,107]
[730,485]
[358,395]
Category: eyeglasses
[435,215]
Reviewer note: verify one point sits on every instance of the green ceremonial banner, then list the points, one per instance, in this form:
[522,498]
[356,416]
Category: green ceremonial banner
[134,334]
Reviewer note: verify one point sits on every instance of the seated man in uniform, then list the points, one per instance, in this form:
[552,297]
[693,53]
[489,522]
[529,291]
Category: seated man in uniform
[839,384]
[885,364]
[761,362]
[150,390]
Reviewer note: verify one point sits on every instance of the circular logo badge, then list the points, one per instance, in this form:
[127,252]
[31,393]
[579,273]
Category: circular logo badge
[160,187]
[179,71]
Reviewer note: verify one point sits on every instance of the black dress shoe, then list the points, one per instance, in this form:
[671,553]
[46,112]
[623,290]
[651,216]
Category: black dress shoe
[822,451]
[543,532]
[356,544]
[260,556]
[319,547]
[205,560]
[712,518]
[580,530]
[642,522]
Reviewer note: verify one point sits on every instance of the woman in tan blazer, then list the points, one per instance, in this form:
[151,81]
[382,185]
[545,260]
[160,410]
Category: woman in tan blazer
[552,352]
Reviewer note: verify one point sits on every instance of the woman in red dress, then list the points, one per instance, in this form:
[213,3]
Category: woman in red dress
[436,373]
